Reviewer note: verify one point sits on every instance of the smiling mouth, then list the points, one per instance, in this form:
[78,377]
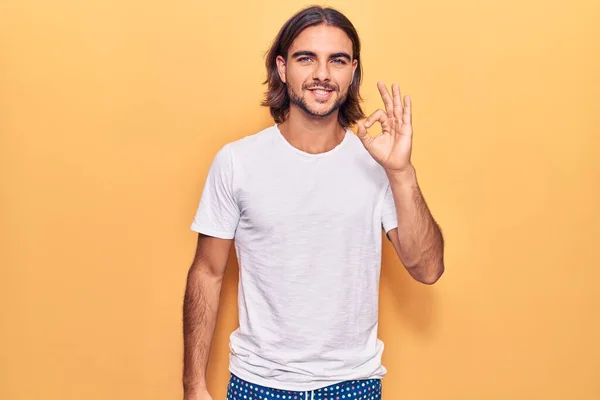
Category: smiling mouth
[321,92]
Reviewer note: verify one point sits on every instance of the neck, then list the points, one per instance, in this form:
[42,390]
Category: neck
[312,134]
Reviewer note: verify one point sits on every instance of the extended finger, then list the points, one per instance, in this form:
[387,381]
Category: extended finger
[407,113]
[397,102]
[387,99]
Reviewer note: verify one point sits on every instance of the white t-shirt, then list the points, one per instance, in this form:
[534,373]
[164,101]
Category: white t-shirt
[308,233]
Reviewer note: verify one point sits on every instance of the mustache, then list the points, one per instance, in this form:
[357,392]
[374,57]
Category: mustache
[325,86]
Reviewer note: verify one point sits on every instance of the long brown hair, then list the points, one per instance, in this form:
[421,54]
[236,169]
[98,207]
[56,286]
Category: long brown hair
[276,97]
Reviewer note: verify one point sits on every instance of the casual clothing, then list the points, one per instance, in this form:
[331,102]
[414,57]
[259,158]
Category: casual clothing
[308,232]
[368,389]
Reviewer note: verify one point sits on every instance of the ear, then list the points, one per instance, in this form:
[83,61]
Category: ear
[281,68]
[354,65]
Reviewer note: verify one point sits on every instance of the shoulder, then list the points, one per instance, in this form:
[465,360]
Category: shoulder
[251,143]
[235,154]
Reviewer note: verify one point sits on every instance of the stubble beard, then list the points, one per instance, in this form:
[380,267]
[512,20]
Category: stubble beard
[300,102]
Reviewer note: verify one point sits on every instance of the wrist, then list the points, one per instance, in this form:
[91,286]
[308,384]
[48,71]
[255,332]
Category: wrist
[193,388]
[402,176]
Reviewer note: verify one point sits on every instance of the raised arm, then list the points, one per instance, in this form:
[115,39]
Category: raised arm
[418,239]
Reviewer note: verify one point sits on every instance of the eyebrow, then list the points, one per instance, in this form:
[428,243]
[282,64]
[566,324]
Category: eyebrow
[313,54]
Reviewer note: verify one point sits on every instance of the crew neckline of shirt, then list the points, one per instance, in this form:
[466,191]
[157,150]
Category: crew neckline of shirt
[306,154]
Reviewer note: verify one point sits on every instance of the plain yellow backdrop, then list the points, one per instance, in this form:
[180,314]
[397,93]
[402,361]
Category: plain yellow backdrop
[111,112]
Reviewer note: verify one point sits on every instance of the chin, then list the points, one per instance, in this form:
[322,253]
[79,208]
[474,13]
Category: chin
[322,108]
[317,109]
[322,113]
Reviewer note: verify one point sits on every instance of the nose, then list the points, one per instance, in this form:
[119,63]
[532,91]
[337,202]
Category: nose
[321,71]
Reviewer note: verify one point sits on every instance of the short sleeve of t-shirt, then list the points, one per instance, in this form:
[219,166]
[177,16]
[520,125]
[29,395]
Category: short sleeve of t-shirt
[389,219]
[218,212]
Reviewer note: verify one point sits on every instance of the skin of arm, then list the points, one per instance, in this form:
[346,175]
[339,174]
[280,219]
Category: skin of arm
[418,240]
[200,306]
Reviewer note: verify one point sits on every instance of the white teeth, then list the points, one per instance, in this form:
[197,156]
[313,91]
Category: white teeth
[321,92]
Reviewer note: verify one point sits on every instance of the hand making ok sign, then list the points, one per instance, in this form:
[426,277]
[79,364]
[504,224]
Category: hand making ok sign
[392,147]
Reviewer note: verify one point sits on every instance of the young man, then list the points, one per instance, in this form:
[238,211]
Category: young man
[305,201]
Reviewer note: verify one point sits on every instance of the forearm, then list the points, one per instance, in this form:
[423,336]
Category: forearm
[420,238]
[200,307]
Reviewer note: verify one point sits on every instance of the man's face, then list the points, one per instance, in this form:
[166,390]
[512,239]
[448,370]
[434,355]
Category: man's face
[318,70]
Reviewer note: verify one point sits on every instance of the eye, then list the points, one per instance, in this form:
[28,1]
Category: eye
[339,61]
[304,59]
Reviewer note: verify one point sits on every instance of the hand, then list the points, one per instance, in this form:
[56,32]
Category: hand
[200,394]
[393,146]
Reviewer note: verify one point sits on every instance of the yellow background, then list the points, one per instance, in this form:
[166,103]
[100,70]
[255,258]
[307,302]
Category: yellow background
[111,112]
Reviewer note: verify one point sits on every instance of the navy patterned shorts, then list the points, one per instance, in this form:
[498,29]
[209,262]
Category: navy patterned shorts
[368,389]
